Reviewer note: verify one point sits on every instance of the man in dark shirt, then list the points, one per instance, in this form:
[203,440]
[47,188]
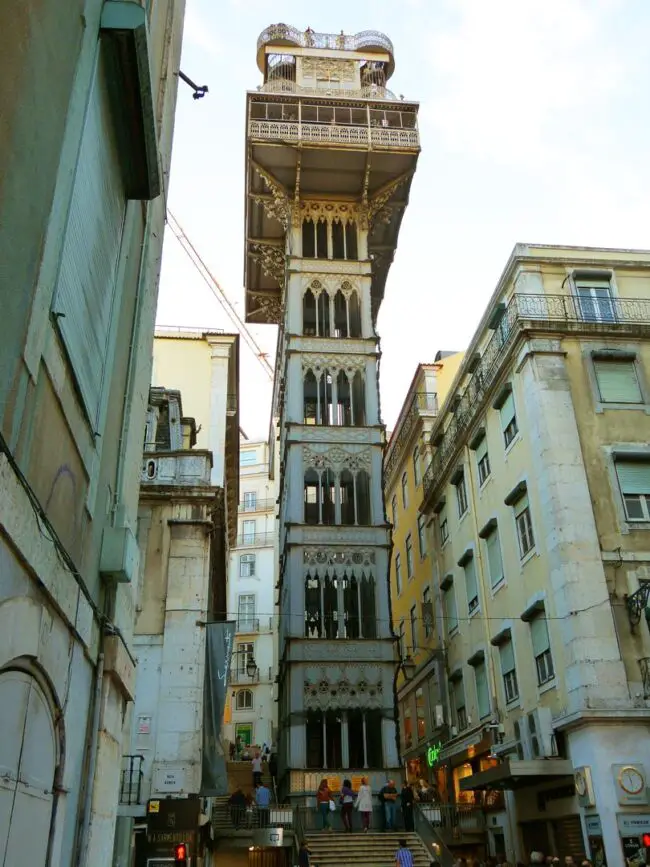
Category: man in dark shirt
[303,855]
[388,796]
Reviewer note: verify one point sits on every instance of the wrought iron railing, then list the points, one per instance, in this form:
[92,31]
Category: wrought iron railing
[228,818]
[131,780]
[455,818]
[423,403]
[637,603]
[430,835]
[527,312]
[263,505]
[371,91]
[292,131]
[644,665]
[240,677]
[253,540]
[336,41]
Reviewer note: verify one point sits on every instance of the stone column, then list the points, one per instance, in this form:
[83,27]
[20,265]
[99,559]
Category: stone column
[345,744]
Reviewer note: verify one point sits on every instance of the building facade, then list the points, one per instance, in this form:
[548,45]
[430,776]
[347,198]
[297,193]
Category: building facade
[537,495]
[330,157]
[412,591]
[88,99]
[252,575]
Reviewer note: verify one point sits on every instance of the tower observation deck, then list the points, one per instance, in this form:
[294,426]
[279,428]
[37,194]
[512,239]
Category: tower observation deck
[330,155]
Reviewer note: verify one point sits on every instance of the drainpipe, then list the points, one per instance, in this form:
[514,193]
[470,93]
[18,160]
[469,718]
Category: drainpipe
[92,762]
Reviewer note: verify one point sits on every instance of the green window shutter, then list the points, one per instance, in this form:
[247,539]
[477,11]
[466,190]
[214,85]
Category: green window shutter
[634,476]
[482,692]
[495,563]
[450,608]
[507,411]
[507,656]
[521,505]
[85,291]
[481,450]
[539,634]
[617,381]
[470,580]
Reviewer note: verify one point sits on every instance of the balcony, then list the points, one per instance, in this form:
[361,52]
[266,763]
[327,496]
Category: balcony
[285,34]
[187,467]
[255,540]
[423,404]
[530,313]
[379,133]
[131,780]
[263,505]
[254,624]
[239,677]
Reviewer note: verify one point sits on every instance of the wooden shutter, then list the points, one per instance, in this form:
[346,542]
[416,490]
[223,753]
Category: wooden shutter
[507,656]
[539,634]
[85,291]
[617,381]
[495,563]
[634,476]
[507,411]
[482,692]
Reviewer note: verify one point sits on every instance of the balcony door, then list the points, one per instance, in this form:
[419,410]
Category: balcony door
[246,612]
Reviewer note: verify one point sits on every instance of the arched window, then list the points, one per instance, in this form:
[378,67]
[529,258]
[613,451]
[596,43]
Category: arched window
[331,606]
[358,399]
[344,406]
[244,699]
[340,315]
[348,512]
[354,311]
[328,497]
[313,613]
[351,605]
[362,485]
[351,249]
[325,408]
[312,496]
[310,399]
[308,239]
[368,609]
[417,475]
[338,240]
[323,313]
[309,326]
[321,239]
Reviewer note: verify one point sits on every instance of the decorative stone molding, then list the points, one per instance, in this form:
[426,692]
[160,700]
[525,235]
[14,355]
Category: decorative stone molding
[326,283]
[329,67]
[324,267]
[353,685]
[342,435]
[318,364]
[345,212]
[330,556]
[278,206]
[268,308]
[272,260]
[318,651]
[328,345]
[333,535]
[336,458]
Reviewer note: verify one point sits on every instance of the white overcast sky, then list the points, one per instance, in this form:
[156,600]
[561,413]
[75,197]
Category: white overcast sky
[534,128]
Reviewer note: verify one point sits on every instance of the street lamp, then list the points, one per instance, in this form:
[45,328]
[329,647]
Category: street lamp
[251,667]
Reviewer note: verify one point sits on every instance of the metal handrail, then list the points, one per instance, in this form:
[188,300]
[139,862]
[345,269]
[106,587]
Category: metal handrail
[335,41]
[525,311]
[253,540]
[644,665]
[131,780]
[262,505]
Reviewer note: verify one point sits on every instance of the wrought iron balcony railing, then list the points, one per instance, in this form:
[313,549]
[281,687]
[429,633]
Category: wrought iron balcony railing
[255,540]
[529,312]
[423,403]
[644,665]
[292,131]
[262,505]
[131,780]
[239,677]
[336,41]
[371,91]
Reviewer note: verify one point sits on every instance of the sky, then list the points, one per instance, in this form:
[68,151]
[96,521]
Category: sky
[534,127]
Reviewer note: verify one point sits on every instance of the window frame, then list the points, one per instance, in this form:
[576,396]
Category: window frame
[245,454]
[482,665]
[250,619]
[509,677]
[451,622]
[398,573]
[595,277]
[249,501]
[443,528]
[482,462]
[519,512]
[462,500]
[247,537]
[599,358]
[469,568]
[544,662]
[509,428]
[417,472]
[245,692]
[401,639]
[394,509]
[494,537]
[627,457]
[413,620]
[426,600]
[405,490]
[247,560]
[422,536]
[460,708]
[408,545]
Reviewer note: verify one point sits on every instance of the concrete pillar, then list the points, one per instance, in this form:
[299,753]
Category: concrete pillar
[372,392]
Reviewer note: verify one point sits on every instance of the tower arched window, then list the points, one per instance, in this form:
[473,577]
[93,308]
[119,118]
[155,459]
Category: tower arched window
[348,510]
[354,315]
[358,399]
[323,314]
[343,399]
[340,315]
[308,239]
[338,240]
[351,244]
[328,497]
[244,699]
[312,497]
[311,405]
[309,323]
[362,493]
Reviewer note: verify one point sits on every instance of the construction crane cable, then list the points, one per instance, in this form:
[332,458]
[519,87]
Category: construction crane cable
[218,292]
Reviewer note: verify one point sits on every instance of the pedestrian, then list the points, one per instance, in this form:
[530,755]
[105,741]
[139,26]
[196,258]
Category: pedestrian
[238,746]
[237,803]
[364,803]
[347,805]
[388,796]
[263,801]
[407,797]
[323,798]
[273,767]
[257,769]
[404,856]
[303,854]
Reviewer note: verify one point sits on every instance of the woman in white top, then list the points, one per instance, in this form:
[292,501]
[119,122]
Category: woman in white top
[364,803]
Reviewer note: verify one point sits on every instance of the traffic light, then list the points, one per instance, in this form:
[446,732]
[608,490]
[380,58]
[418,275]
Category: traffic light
[180,855]
[646,840]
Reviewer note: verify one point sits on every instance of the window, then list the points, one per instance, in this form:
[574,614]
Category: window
[508,671]
[471,584]
[617,380]
[427,612]
[398,573]
[409,556]
[244,699]
[393,508]
[458,694]
[405,491]
[247,565]
[508,420]
[417,475]
[422,536]
[414,627]
[542,648]
[449,603]
[594,297]
[495,562]
[421,714]
[524,526]
[482,690]
[246,612]
[461,496]
[444,528]
[483,461]
[340,604]
[248,532]
[401,638]
[247,458]
[634,482]
[250,501]
[245,654]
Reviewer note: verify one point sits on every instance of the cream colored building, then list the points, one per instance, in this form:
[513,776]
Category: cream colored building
[539,491]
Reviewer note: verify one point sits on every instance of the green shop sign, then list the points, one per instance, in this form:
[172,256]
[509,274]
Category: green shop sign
[433,754]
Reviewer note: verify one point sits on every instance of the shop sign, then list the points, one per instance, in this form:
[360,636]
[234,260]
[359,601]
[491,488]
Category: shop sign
[633,824]
[593,826]
[433,754]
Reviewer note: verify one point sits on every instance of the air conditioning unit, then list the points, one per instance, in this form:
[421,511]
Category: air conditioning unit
[540,733]
[520,727]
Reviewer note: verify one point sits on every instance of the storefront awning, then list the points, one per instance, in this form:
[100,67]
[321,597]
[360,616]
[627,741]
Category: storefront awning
[515,774]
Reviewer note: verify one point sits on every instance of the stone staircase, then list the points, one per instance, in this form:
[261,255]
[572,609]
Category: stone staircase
[374,849]
[239,774]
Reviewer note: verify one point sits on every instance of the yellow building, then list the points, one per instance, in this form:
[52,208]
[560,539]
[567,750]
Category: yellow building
[539,497]
[407,455]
